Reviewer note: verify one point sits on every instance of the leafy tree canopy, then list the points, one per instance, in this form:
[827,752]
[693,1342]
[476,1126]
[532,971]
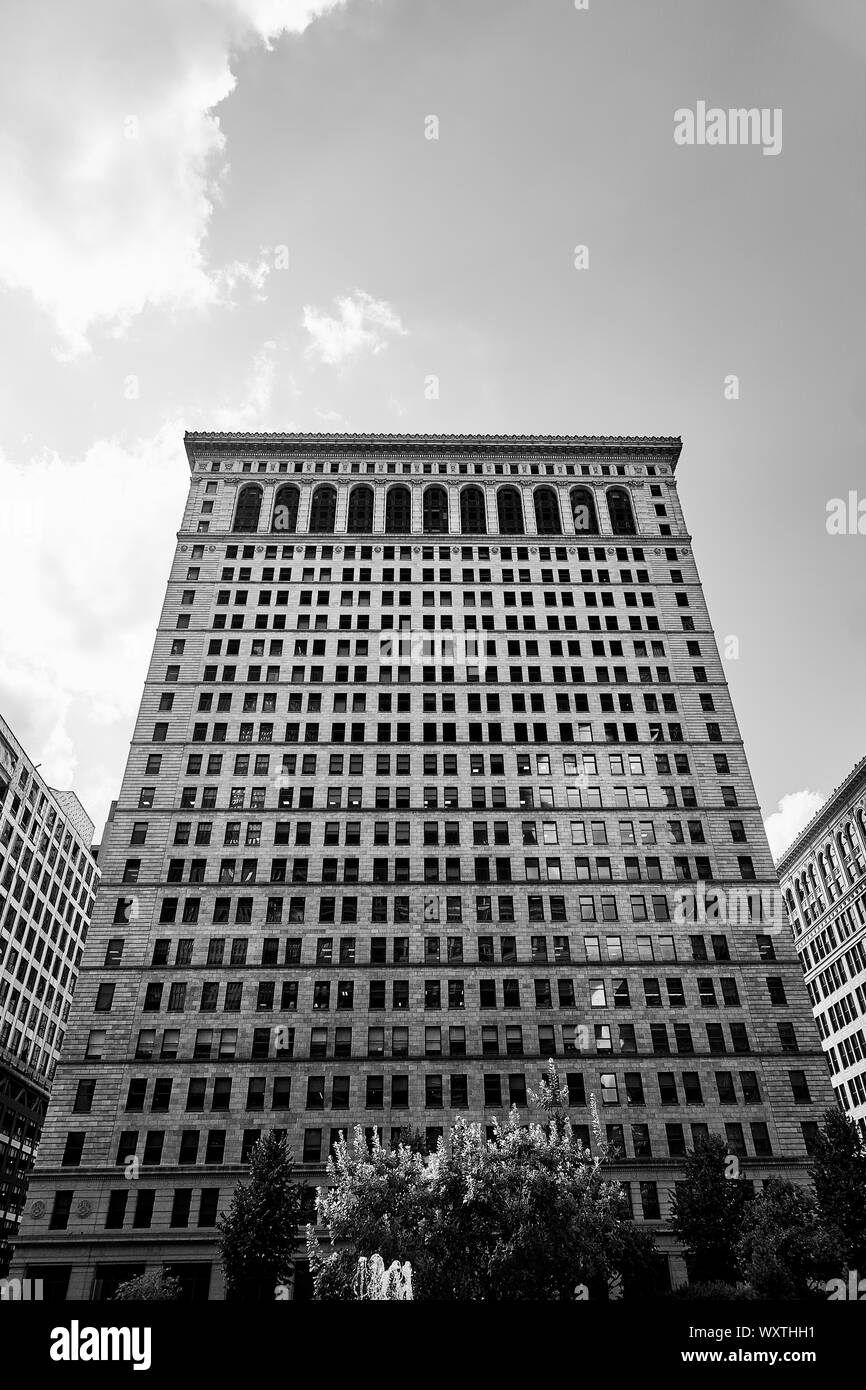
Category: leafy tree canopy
[707,1213]
[839,1183]
[157,1286]
[528,1214]
[258,1235]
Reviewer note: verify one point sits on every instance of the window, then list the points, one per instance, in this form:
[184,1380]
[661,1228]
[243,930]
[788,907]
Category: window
[84,1097]
[583,511]
[248,508]
[435,510]
[398,510]
[547,519]
[104,998]
[517,1089]
[323,510]
[509,509]
[73,1149]
[609,1088]
[620,511]
[59,1219]
[286,508]
[312,1151]
[433,1092]
[649,1200]
[360,515]
[473,513]
[775,989]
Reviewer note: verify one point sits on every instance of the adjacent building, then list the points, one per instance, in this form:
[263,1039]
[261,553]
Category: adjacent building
[435,777]
[823,876]
[48,879]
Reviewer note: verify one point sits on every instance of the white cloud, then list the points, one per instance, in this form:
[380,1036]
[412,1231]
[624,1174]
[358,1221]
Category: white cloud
[252,411]
[112,159]
[229,277]
[794,813]
[362,326]
[89,542]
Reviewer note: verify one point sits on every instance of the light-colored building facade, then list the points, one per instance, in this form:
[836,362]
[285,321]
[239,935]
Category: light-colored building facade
[434,777]
[48,882]
[823,878]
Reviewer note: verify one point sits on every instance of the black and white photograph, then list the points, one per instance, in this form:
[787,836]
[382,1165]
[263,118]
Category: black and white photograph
[432,668]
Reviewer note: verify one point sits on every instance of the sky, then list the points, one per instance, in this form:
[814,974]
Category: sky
[314,215]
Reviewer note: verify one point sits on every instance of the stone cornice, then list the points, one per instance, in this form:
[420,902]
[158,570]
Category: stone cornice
[847,791]
[662,448]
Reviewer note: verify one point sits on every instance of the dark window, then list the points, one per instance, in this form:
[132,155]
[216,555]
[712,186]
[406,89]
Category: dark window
[323,510]
[59,1219]
[473,512]
[286,508]
[509,508]
[360,509]
[583,511]
[435,511]
[398,510]
[620,510]
[248,508]
[547,519]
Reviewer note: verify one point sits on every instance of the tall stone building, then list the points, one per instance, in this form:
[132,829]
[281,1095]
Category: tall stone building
[823,875]
[48,881]
[435,777]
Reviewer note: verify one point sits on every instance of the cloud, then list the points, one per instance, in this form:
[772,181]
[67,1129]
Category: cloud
[112,160]
[794,813]
[362,326]
[253,409]
[90,542]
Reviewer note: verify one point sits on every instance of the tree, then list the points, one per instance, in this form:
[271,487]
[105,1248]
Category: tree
[414,1139]
[838,1175]
[258,1235]
[376,1205]
[157,1286]
[707,1212]
[724,1293]
[783,1250]
[528,1214]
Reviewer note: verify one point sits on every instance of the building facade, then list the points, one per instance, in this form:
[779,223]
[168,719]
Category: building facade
[48,879]
[823,879]
[435,777]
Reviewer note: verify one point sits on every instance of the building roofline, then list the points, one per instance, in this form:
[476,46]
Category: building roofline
[668,447]
[61,792]
[823,816]
[56,793]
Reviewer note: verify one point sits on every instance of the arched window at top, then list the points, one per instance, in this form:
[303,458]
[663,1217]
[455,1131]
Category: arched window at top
[248,509]
[547,520]
[583,511]
[323,510]
[435,511]
[286,508]
[509,509]
[473,512]
[360,509]
[621,514]
[398,511]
